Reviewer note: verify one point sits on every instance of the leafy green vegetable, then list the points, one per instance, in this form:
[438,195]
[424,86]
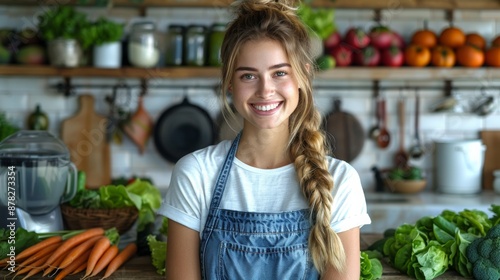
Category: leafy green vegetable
[118,197]
[20,240]
[158,253]
[141,194]
[150,201]
[371,267]
[410,173]
[320,21]
[164,226]
[433,245]
[86,198]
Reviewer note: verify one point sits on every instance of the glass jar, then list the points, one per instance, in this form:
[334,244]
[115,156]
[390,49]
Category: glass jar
[216,37]
[143,45]
[496,180]
[195,45]
[175,45]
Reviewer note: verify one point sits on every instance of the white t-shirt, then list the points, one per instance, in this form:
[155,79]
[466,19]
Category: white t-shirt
[251,189]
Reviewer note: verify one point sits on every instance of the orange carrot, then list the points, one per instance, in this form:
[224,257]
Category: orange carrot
[36,264]
[78,250]
[80,268]
[50,268]
[41,253]
[74,265]
[35,248]
[74,241]
[99,248]
[127,253]
[108,256]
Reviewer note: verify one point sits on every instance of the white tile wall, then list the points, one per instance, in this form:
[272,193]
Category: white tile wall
[19,95]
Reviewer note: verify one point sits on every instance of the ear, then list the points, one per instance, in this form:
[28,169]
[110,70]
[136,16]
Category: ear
[230,88]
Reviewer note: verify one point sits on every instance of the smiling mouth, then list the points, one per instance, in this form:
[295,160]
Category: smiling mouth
[267,107]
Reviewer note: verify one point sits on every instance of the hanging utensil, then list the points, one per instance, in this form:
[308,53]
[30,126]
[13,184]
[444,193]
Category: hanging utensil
[417,149]
[383,138]
[140,126]
[401,157]
[375,130]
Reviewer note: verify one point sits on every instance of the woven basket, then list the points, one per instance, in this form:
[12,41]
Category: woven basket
[79,218]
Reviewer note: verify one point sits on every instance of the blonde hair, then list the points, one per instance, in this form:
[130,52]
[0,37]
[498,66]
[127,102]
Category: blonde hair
[278,20]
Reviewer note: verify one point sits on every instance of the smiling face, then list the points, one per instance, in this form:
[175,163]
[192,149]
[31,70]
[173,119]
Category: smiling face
[264,88]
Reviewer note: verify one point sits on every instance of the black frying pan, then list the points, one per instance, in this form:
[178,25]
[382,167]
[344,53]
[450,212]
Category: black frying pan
[182,129]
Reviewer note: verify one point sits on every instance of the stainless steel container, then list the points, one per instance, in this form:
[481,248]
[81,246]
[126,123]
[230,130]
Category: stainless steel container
[64,53]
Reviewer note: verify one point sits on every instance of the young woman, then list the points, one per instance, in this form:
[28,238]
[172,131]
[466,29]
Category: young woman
[271,204]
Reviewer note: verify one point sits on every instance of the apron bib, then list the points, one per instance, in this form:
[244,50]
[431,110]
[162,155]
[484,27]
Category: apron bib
[254,246]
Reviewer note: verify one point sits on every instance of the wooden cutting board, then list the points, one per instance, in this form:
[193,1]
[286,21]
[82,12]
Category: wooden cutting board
[345,133]
[491,139]
[85,136]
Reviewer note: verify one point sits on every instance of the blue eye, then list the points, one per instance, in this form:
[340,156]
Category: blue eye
[247,76]
[281,73]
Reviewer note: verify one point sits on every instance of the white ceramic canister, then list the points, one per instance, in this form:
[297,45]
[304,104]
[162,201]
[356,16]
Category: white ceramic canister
[108,55]
[459,165]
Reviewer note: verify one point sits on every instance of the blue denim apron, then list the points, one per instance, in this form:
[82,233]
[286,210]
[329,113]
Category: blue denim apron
[247,245]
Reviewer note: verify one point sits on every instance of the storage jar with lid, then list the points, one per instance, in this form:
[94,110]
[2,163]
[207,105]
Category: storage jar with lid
[195,45]
[143,45]
[175,45]
[217,32]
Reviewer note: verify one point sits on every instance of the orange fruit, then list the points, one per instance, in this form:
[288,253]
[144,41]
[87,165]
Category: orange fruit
[496,41]
[492,56]
[476,40]
[470,56]
[424,37]
[442,56]
[452,37]
[417,56]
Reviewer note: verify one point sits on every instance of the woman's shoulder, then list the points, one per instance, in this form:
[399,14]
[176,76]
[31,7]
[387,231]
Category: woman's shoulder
[339,166]
[208,155]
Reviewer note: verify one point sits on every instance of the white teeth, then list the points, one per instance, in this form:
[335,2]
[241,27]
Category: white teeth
[266,107]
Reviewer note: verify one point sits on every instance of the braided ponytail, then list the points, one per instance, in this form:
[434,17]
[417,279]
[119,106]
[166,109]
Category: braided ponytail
[277,20]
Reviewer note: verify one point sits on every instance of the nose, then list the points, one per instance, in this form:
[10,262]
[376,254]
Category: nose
[267,88]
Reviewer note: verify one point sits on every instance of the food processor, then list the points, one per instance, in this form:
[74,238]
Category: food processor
[36,176]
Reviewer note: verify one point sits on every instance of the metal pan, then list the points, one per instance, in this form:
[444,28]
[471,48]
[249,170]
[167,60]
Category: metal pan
[181,129]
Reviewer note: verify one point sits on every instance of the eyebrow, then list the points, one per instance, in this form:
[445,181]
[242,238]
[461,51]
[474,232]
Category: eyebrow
[244,68]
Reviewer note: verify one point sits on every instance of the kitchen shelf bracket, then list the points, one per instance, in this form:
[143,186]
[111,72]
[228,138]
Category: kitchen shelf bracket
[376,88]
[448,88]
[66,87]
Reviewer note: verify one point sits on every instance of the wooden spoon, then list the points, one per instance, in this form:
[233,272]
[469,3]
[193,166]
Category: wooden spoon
[401,157]
[383,138]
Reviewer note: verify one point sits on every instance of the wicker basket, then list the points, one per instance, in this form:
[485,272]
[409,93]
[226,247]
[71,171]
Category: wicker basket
[79,218]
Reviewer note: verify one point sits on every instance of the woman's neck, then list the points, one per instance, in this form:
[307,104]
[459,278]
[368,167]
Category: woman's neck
[266,149]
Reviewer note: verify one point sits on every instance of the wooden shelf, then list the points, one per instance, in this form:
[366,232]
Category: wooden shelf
[344,73]
[357,4]
[126,72]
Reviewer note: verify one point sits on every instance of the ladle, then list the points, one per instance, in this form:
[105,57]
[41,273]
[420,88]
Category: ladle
[417,150]
[383,138]
[401,157]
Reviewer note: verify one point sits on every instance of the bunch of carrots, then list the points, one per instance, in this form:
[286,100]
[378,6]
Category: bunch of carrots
[91,250]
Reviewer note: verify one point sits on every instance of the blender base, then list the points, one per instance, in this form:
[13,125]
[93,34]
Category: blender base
[49,222]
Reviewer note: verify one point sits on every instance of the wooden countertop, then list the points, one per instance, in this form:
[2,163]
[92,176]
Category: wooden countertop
[141,268]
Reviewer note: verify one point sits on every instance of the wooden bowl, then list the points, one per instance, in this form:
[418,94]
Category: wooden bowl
[406,186]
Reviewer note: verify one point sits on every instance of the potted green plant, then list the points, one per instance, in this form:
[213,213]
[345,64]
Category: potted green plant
[104,37]
[321,24]
[61,27]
